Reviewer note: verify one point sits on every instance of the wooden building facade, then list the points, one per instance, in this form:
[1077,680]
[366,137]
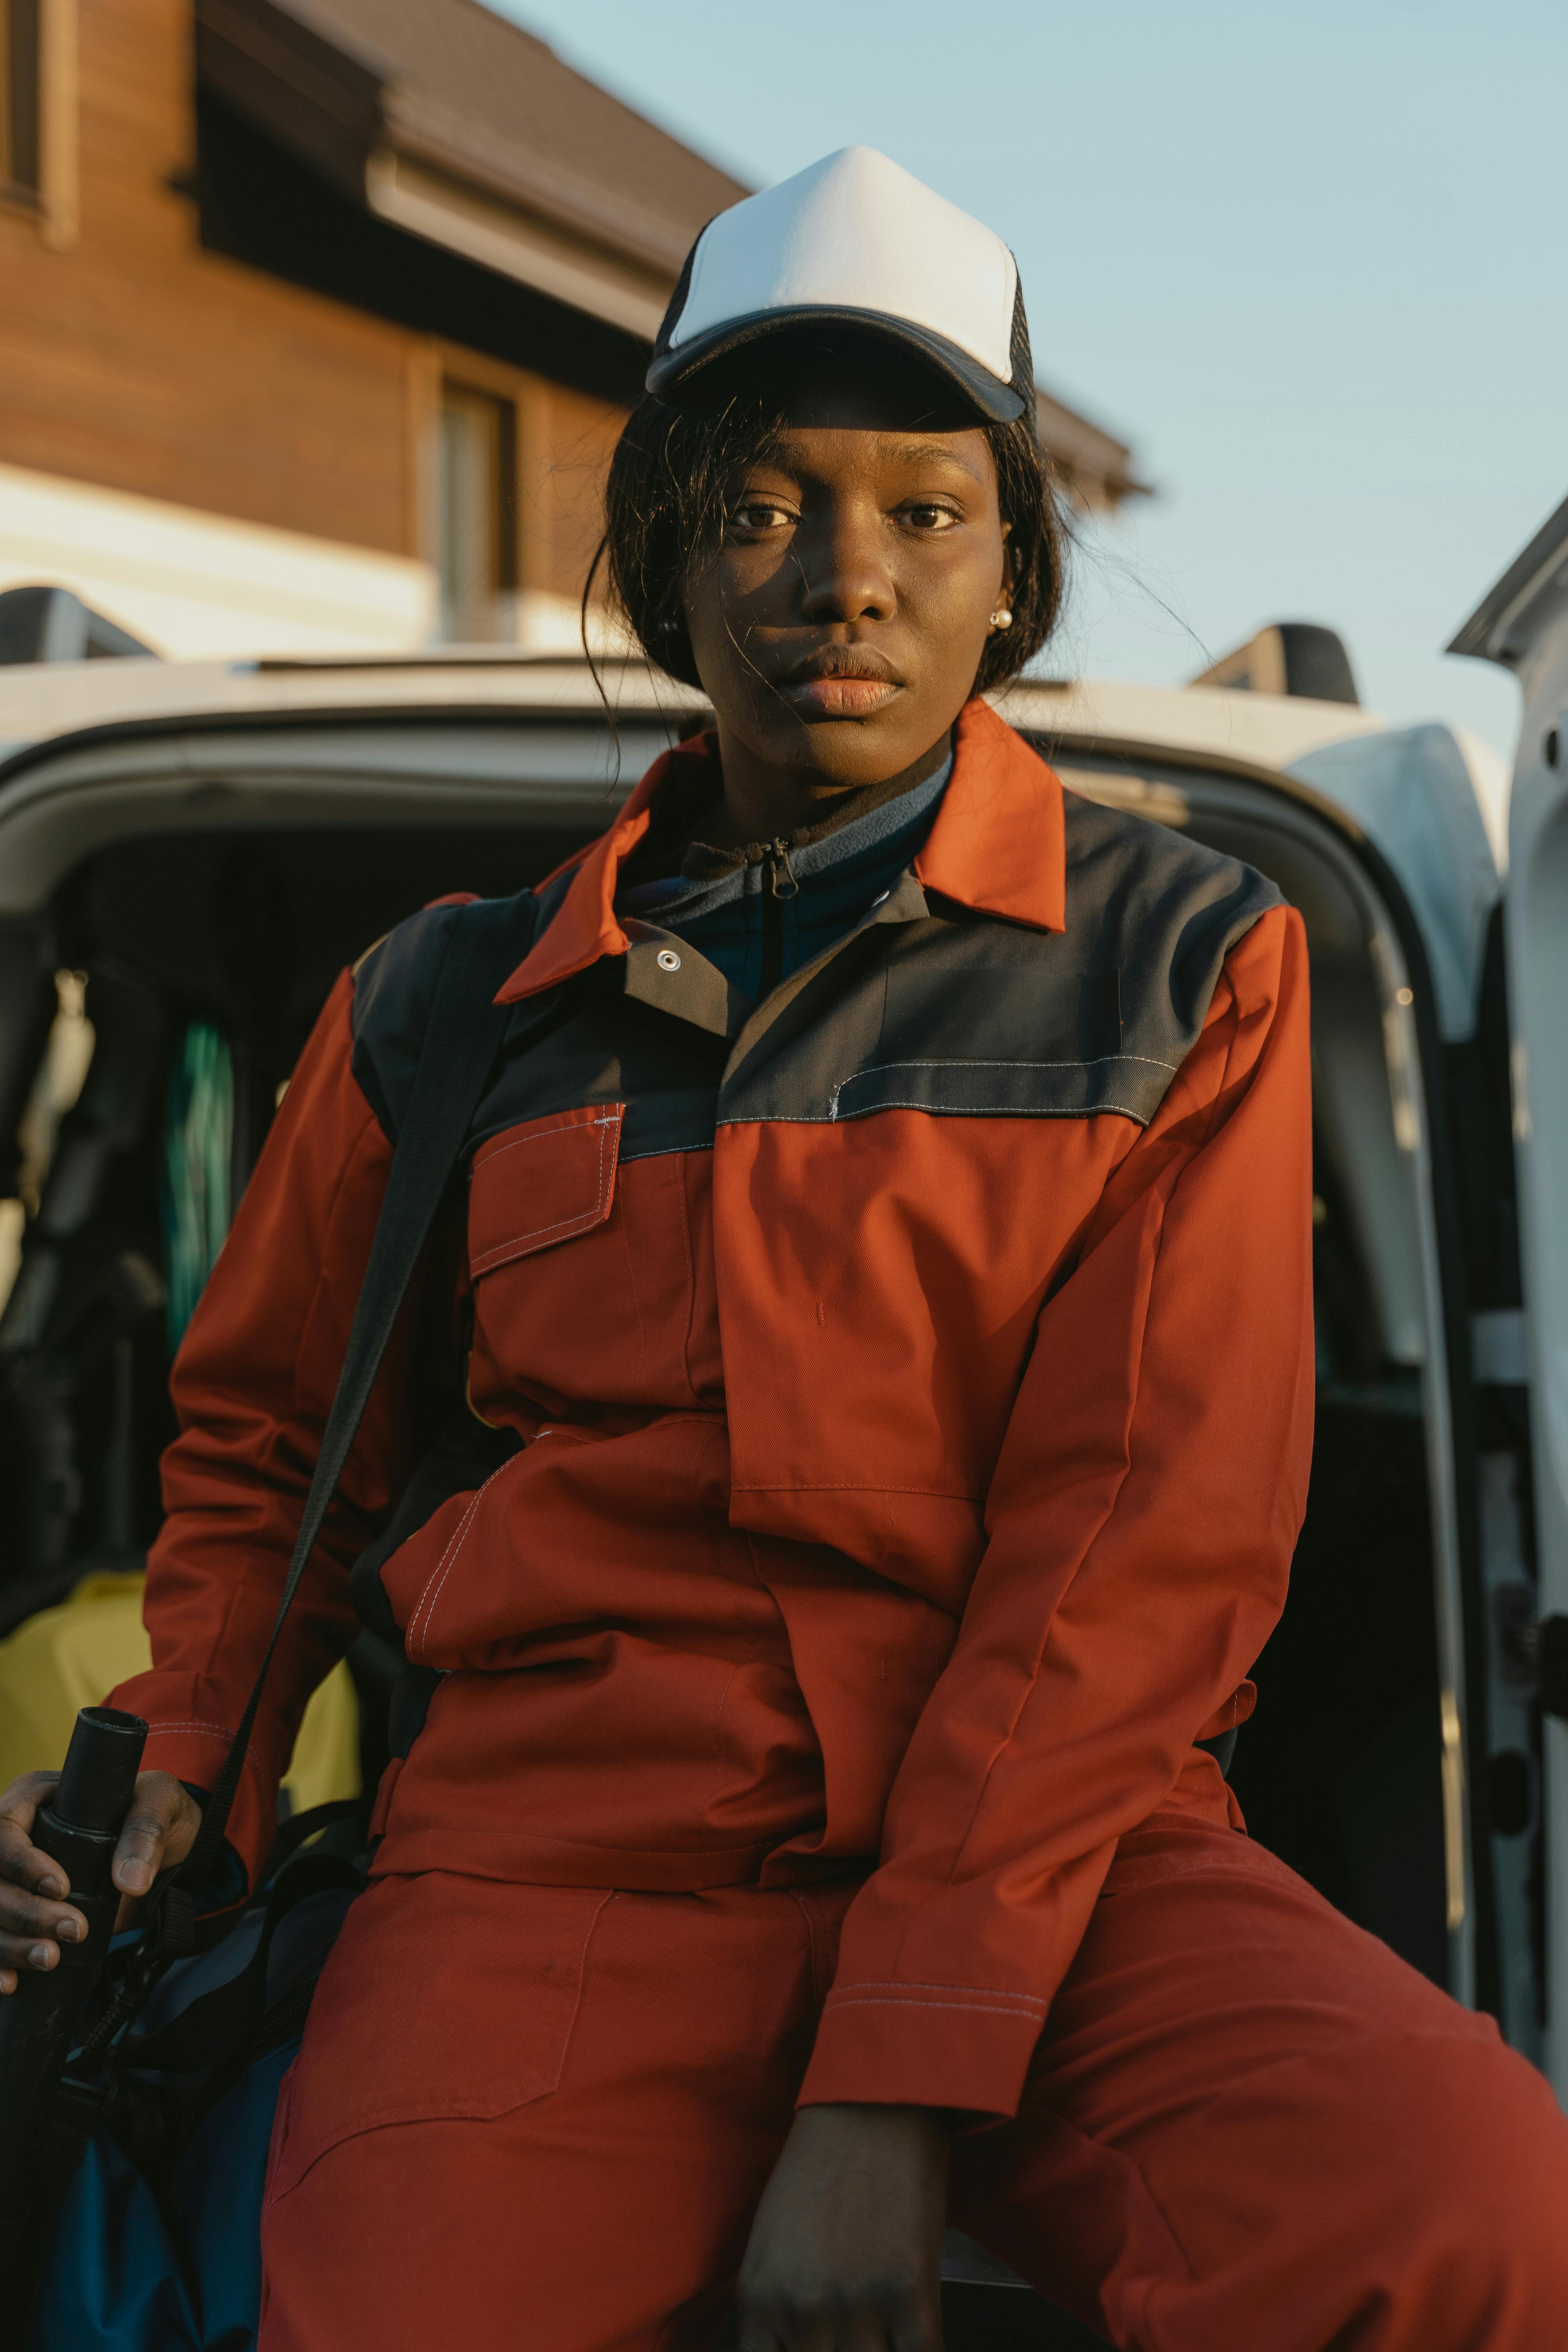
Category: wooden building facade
[316,322]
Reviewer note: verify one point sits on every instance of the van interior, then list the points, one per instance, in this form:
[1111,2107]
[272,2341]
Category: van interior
[152,1003]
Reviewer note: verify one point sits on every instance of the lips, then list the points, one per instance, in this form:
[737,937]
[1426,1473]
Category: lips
[840,698]
[840,682]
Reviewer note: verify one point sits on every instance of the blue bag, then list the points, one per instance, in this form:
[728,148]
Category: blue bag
[156,2247]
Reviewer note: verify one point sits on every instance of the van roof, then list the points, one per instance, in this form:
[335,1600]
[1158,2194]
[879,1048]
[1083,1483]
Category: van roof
[45,701]
[81,757]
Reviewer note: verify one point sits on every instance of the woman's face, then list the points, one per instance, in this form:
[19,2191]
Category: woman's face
[838,626]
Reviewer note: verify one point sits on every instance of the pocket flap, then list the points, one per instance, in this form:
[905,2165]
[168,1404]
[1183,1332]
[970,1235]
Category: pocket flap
[538,1185]
[444,1997]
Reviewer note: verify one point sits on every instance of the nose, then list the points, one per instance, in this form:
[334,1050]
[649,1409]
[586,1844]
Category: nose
[844,568]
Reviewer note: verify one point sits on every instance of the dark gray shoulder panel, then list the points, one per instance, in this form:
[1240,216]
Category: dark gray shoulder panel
[967,1014]
[395,986]
[1165,911]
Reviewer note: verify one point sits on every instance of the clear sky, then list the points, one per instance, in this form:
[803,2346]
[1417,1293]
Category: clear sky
[1309,262]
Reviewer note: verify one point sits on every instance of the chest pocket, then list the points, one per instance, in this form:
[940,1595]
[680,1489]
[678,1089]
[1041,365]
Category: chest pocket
[542,1183]
[1000,1036]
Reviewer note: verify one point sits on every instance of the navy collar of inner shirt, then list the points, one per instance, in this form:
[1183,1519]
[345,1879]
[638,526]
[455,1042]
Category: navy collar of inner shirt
[901,821]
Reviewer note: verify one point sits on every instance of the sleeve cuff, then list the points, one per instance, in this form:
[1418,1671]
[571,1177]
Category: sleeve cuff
[920,2045]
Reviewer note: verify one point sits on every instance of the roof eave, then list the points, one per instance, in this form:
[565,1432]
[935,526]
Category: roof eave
[432,134]
[341,110]
[1096,467]
[323,102]
[462,219]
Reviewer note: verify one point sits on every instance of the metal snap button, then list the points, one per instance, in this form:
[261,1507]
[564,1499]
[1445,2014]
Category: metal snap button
[667,960]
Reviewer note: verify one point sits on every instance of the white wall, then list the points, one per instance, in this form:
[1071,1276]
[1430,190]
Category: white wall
[200,587]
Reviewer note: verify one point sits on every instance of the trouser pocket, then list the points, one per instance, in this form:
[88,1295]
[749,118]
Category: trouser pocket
[444,1996]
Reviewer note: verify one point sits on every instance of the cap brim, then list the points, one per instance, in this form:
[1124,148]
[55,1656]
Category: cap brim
[672,371]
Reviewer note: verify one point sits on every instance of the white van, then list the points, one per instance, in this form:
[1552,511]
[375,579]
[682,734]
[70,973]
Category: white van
[1522,622]
[188,855]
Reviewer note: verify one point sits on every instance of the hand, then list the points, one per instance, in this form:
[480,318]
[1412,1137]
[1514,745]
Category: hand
[160,1830]
[846,2250]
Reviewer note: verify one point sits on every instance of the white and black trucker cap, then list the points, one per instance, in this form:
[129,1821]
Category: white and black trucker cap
[854,241]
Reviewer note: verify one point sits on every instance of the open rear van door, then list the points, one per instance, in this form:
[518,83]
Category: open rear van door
[1522,624]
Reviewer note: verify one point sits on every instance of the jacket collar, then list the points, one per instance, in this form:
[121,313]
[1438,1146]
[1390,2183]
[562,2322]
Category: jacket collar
[585,927]
[998,845]
[999,842]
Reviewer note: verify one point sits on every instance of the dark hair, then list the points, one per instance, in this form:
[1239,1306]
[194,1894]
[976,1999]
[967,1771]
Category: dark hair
[664,509]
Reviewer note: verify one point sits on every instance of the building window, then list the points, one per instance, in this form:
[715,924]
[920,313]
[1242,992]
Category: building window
[20,97]
[478,516]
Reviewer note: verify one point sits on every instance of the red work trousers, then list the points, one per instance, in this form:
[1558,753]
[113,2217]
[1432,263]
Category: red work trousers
[542,2117]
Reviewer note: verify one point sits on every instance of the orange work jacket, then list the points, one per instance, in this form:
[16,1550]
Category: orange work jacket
[913,1381]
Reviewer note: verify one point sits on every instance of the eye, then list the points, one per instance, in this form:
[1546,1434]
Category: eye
[927,517]
[758,515]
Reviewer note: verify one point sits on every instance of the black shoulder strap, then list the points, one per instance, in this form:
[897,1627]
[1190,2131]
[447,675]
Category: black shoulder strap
[461,1040]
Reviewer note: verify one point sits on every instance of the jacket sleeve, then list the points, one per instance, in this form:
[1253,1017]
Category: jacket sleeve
[252,1385]
[1140,1526]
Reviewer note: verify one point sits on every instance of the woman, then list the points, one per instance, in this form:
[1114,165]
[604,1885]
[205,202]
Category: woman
[887,1259]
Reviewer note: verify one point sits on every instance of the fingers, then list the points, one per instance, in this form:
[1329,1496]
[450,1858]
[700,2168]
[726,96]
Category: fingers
[845,2253]
[31,1934]
[139,1855]
[920,2328]
[34,1921]
[159,1831]
[822,2315]
[20,1859]
[849,2327]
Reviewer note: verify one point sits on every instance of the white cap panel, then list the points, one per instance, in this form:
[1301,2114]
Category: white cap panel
[856,232]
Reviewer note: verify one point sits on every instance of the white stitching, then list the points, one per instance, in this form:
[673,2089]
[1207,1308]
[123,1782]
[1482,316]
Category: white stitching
[1016,1110]
[863,1486]
[217,1731]
[1005,1112]
[1019,1110]
[431,1588]
[456,1537]
[969,2008]
[443,1567]
[578,1224]
[584,1218]
[562,1127]
[870,1986]
[938,1110]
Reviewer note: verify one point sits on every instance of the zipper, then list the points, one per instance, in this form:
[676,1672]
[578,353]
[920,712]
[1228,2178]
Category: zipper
[781,885]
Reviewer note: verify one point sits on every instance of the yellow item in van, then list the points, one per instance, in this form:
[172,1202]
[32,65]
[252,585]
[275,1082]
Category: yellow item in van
[70,1656]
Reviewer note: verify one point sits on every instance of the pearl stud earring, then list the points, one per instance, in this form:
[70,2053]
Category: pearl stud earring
[1002,618]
